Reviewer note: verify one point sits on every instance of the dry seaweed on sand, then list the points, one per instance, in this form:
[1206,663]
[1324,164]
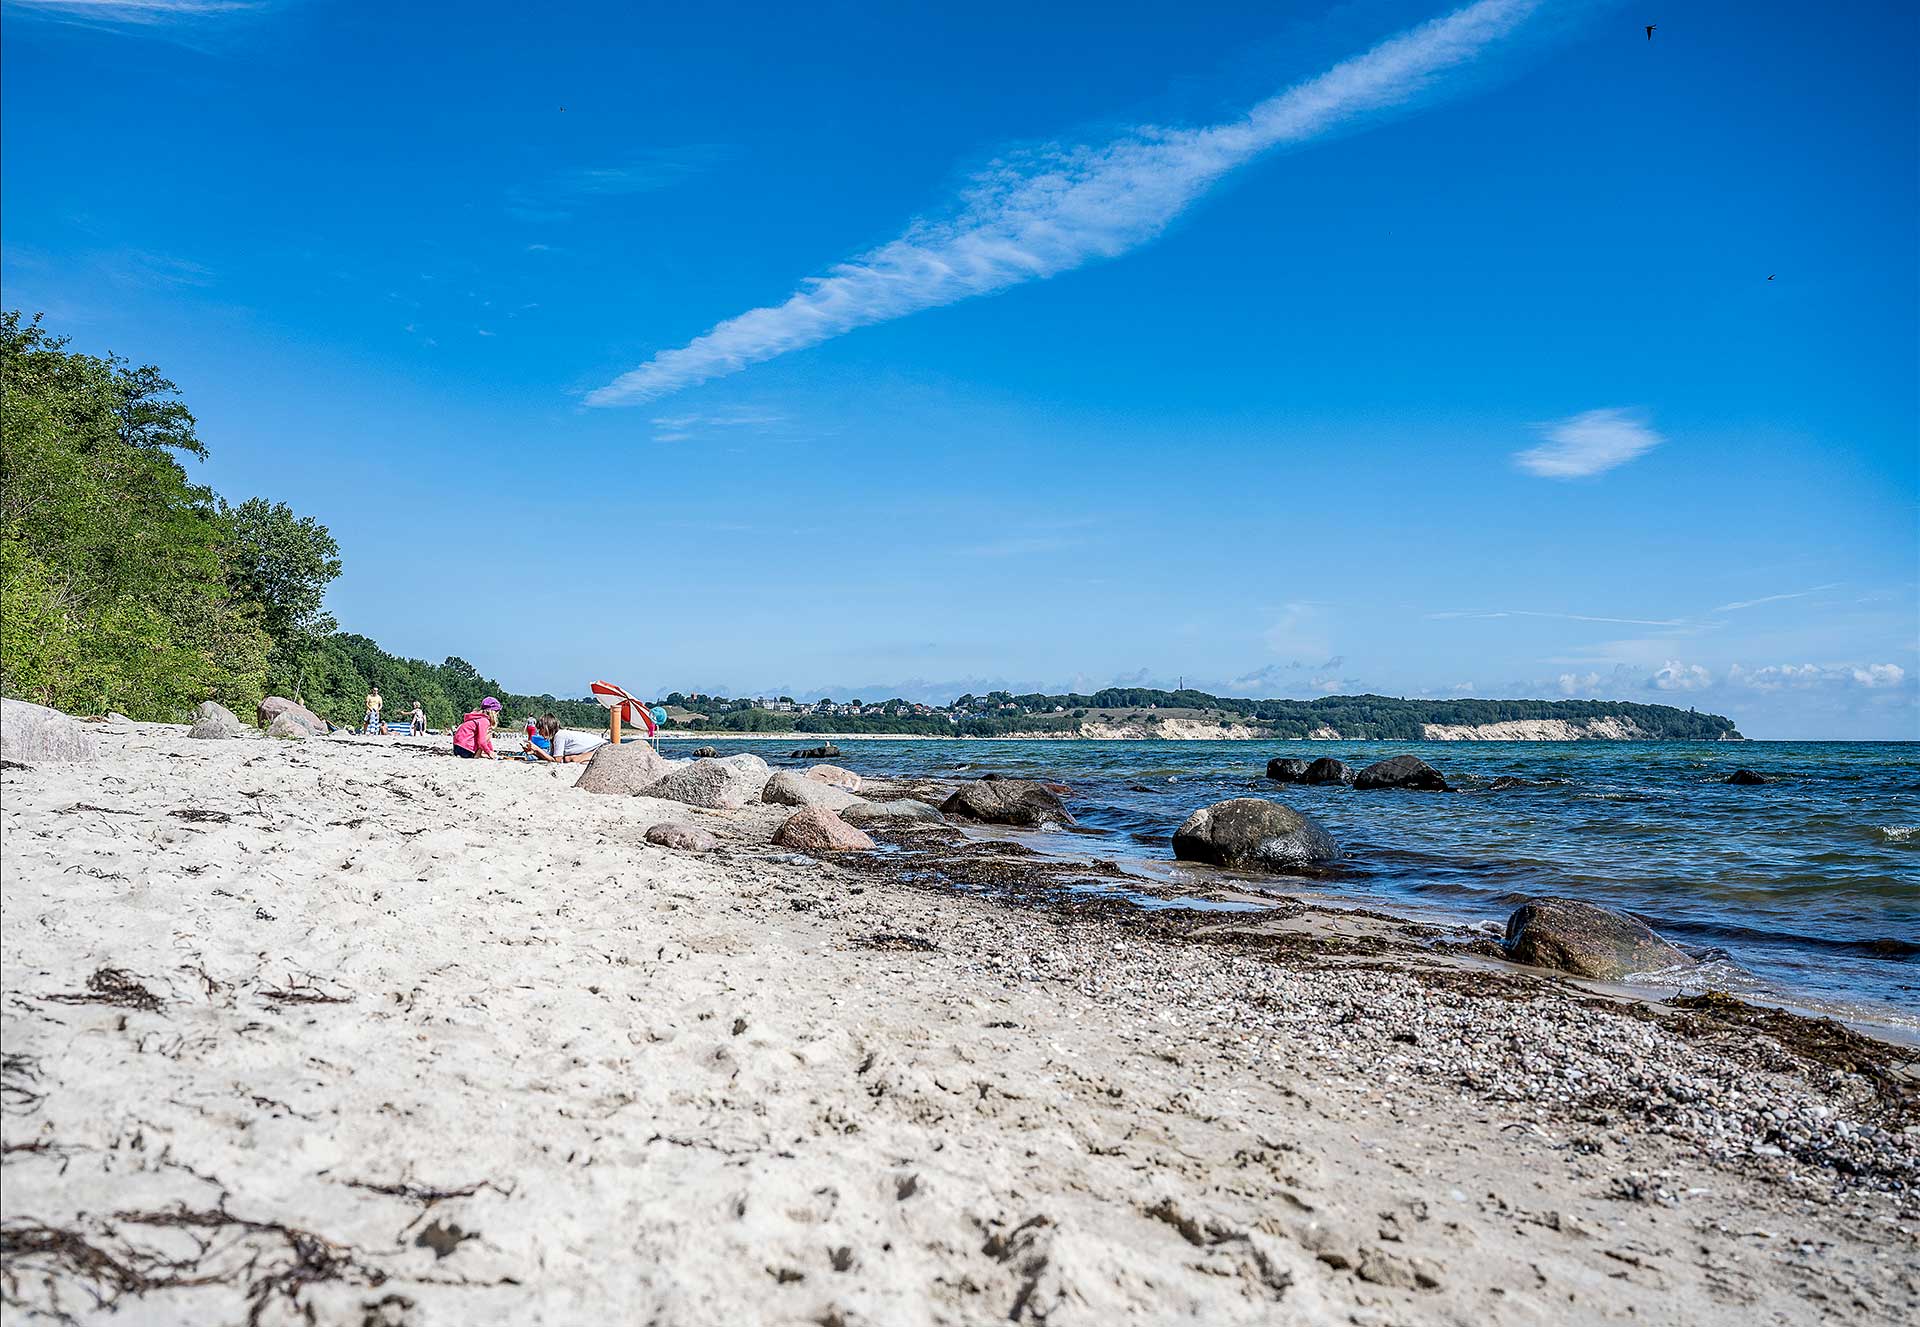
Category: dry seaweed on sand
[302,990]
[896,943]
[114,986]
[18,1076]
[426,1194]
[1728,1024]
[194,815]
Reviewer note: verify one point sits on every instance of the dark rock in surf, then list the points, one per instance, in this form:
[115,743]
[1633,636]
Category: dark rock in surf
[1401,772]
[1286,769]
[1746,778]
[704,753]
[826,752]
[1008,802]
[1327,770]
[1585,940]
[1253,834]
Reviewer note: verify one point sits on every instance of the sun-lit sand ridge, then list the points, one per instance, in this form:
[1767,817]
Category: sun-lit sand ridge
[436,1041]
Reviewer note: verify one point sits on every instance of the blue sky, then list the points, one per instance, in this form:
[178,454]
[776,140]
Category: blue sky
[1287,349]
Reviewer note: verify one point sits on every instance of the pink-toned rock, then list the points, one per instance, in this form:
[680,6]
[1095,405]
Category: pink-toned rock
[817,829]
[686,838]
[274,706]
[625,770]
[839,778]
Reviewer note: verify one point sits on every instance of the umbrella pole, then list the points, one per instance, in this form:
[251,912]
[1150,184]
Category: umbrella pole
[614,718]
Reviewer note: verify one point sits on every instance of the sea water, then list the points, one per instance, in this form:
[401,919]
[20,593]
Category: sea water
[1804,890]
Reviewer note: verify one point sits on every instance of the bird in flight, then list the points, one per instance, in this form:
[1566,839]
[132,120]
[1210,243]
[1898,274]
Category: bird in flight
[1650,28]
[1769,276]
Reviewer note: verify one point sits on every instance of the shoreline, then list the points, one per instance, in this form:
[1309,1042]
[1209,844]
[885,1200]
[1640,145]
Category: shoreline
[457,1023]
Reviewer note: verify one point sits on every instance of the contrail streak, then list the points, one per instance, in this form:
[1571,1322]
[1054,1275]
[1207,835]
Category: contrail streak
[1040,213]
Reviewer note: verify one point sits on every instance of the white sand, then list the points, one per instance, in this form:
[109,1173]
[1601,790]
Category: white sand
[687,1093]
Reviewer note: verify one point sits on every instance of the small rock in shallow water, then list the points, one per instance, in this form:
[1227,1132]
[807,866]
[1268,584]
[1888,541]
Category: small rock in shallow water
[1327,770]
[1401,772]
[1747,778]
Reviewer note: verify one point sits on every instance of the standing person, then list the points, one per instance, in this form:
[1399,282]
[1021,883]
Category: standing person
[373,711]
[419,725]
[564,748]
[474,736]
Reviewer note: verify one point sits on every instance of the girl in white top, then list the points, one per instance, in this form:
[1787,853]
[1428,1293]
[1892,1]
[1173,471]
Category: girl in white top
[568,748]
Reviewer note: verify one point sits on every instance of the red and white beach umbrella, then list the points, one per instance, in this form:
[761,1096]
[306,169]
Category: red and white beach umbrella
[631,711]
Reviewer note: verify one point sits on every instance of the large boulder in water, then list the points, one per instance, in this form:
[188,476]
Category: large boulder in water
[1253,834]
[1586,940]
[1401,772]
[1008,802]
[816,829]
[826,752]
[1286,769]
[625,770]
[31,733]
[274,706]
[212,719]
[1746,778]
[726,784]
[1327,770]
[792,788]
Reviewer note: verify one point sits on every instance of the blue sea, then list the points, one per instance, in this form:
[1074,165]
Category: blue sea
[1804,891]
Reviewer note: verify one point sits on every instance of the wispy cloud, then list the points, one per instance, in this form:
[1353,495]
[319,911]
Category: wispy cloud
[682,428]
[135,11]
[1588,444]
[556,197]
[1774,598]
[1562,617]
[1036,214]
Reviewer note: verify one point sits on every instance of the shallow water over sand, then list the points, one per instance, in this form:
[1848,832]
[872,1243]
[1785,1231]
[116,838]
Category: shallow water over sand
[1806,888]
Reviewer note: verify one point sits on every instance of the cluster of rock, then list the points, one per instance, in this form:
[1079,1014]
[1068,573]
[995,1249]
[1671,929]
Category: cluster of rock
[1396,772]
[828,807]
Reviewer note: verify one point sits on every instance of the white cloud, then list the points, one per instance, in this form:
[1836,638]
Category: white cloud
[1588,444]
[1572,684]
[1039,213]
[1676,676]
[1803,677]
[136,11]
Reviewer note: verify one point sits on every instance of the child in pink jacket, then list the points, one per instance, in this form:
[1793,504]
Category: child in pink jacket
[474,736]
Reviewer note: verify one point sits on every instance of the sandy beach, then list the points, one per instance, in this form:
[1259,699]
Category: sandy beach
[348,1031]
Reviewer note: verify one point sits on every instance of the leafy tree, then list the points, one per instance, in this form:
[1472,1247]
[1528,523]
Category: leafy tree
[283,563]
[115,592]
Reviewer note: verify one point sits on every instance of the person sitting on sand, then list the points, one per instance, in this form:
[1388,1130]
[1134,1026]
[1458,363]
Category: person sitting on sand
[474,736]
[564,748]
[419,725]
